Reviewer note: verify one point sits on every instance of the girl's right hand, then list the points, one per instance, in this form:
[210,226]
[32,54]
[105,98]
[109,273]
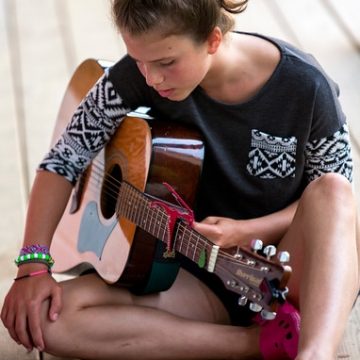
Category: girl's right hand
[21,312]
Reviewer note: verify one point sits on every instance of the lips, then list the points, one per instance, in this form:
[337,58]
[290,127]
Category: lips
[165,93]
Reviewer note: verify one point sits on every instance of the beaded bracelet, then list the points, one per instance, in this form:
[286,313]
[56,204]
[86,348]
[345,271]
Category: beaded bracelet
[35,254]
[34,273]
[35,258]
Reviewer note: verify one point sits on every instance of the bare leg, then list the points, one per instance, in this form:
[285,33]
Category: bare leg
[324,284]
[187,322]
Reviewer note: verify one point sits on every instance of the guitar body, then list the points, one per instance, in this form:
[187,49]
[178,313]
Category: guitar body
[144,153]
[118,220]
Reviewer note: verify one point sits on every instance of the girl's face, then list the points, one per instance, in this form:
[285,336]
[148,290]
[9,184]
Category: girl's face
[175,65]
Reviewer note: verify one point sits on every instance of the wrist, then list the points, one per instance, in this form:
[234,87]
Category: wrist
[34,254]
[30,267]
[33,273]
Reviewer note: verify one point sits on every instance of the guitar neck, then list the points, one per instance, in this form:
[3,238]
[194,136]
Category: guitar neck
[136,207]
[243,272]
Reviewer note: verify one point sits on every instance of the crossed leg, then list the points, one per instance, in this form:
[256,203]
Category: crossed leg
[189,322]
[186,322]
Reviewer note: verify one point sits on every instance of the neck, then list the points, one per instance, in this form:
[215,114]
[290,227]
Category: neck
[240,68]
[229,73]
[223,66]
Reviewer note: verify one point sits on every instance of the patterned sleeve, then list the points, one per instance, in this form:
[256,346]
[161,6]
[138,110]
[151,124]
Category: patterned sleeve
[330,154]
[92,125]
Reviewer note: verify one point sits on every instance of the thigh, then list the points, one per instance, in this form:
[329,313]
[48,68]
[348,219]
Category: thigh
[322,231]
[188,297]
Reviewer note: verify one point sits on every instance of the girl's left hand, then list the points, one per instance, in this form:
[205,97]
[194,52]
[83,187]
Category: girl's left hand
[224,232]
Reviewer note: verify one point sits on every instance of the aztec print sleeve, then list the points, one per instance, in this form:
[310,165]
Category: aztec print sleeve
[330,154]
[90,128]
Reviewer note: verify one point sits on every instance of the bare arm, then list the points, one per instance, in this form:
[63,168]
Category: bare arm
[229,232]
[21,310]
[49,196]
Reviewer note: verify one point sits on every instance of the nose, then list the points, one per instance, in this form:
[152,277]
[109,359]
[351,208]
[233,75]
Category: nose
[153,76]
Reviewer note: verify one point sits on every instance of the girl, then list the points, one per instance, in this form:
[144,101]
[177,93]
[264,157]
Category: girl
[277,167]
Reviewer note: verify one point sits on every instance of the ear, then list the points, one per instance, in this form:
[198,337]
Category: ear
[214,40]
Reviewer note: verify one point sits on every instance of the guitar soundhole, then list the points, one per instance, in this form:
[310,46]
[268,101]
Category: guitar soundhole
[110,191]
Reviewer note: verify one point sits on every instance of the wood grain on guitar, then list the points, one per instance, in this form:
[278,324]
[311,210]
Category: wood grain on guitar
[110,224]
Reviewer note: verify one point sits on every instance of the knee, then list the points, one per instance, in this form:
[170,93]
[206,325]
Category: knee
[57,333]
[331,188]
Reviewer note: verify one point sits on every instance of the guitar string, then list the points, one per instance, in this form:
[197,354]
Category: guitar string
[98,165]
[255,264]
[207,244]
[153,213]
[250,291]
[97,170]
[109,183]
[222,254]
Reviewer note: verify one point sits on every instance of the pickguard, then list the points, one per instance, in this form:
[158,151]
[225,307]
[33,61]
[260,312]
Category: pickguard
[93,234]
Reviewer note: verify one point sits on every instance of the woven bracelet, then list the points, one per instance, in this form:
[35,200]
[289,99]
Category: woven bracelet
[36,248]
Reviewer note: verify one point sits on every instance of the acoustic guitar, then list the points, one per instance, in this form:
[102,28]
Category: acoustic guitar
[129,215]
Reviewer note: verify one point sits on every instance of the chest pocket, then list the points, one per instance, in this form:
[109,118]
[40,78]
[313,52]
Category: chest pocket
[272,157]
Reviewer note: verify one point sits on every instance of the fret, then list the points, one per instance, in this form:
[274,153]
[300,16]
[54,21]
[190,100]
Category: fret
[187,244]
[164,225]
[179,236]
[134,208]
[157,223]
[123,201]
[152,224]
[190,245]
[141,213]
[196,246]
[145,220]
[130,210]
[149,219]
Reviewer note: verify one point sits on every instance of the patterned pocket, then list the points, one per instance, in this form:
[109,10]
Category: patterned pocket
[272,157]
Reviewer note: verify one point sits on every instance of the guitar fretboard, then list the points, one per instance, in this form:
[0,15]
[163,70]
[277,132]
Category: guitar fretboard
[241,273]
[139,209]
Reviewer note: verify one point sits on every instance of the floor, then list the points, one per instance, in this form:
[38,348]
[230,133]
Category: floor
[42,42]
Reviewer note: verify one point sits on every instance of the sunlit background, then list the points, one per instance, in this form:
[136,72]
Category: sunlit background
[43,41]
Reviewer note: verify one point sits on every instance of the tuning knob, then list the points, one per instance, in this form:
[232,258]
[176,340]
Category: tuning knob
[284,257]
[255,307]
[242,300]
[269,251]
[268,315]
[256,245]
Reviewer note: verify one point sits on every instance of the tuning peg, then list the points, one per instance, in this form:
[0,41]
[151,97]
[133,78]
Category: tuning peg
[269,251]
[268,315]
[255,307]
[284,257]
[242,300]
[256,245]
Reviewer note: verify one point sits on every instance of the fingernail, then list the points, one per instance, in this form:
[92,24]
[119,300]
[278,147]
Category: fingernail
[40,348]
[55,317]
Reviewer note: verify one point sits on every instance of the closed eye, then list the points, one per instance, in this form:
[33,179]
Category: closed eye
[167,63]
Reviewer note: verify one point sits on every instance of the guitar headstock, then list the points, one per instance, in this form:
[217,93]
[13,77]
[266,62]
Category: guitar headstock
[260,280]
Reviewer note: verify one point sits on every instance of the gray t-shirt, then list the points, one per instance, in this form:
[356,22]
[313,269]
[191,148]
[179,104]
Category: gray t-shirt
[259,155]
